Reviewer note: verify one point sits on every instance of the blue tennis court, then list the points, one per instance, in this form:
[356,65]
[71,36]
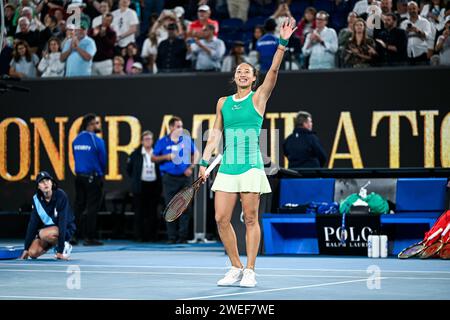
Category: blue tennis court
[126,270]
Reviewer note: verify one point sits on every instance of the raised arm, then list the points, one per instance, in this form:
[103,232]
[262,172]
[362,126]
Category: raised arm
[264,91]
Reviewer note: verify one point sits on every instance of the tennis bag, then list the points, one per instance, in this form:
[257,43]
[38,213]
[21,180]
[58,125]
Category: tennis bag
[439,228]
[436,240]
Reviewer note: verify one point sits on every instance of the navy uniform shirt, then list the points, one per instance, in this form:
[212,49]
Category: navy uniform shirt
[303,149]
[89,153]
[60,212]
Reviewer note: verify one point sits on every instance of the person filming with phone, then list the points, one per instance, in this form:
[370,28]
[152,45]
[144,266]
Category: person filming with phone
[418,30]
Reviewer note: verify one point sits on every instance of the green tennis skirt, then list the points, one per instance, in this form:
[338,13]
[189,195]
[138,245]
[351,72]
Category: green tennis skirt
[253,180]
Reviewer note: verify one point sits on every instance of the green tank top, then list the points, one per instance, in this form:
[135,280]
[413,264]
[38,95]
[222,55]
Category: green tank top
[242,127]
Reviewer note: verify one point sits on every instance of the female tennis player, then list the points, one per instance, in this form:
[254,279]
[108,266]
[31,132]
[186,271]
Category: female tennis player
[241,173]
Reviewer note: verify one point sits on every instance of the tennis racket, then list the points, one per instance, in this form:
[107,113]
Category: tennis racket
[417,248]
[181,201]
[433,249]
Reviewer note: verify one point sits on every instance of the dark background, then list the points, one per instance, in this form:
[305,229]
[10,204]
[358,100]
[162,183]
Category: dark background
[148,98]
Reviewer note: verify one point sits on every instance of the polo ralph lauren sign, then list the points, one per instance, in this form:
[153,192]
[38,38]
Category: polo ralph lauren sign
[357,230]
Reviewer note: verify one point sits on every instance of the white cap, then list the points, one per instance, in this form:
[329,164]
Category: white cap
[77,3]
[447,19]
[204,7]
[137,65]
[179,11]
[71,26]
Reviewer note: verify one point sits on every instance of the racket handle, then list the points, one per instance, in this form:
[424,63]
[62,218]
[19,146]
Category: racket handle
[446,230]
[213,164]
[435,234]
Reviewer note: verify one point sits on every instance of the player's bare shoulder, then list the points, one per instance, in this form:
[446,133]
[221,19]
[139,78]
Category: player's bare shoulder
[220,103]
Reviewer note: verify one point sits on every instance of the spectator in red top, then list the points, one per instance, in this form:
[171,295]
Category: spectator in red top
[195,29]
[306,24]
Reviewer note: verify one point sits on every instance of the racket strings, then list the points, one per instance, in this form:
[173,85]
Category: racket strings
[411,251]
[178,204]
[431,250]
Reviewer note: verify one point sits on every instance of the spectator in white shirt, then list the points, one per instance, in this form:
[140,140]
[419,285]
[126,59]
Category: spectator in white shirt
[149,52]
[51,65]
[35,23]
[321,44]
[146,188]
[435,13]
[104,9]
[418,30]
[443,44]
[125,23]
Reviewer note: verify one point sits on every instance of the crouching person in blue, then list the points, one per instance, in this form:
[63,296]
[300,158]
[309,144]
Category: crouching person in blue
[51,222]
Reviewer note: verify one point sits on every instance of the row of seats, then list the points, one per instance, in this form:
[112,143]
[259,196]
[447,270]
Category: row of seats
[412,194]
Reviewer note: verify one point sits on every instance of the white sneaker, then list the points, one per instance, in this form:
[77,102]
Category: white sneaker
[248,279]
[67,249]
[233,276]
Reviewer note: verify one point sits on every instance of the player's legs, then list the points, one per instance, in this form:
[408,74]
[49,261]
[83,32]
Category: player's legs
[48,237]
[38,248]
[250,207]
[224,203]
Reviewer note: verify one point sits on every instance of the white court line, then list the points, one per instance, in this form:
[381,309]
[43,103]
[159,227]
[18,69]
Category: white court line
[279,289]
[212,274]
[176,273]
[73,262]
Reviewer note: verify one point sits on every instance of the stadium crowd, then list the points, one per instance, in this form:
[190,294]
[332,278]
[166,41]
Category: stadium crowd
[55,38]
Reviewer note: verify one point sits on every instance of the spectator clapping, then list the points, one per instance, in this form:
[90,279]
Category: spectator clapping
[51,64]
[421,23]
